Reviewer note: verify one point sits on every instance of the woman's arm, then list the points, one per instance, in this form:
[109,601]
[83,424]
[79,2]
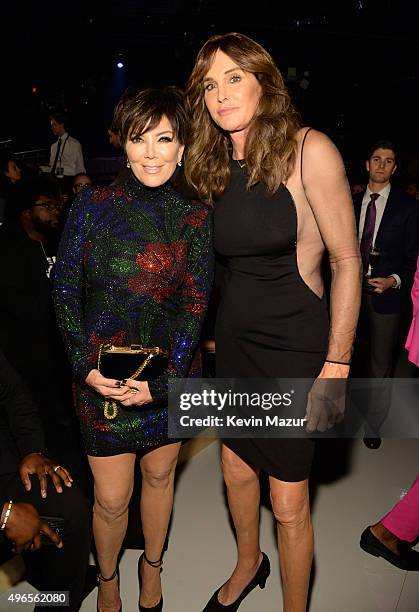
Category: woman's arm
[192,302]
[69,286]
[327,190]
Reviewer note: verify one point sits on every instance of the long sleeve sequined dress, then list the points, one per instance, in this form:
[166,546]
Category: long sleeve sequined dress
[134,266]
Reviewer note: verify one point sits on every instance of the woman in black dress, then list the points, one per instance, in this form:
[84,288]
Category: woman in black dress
[281,197]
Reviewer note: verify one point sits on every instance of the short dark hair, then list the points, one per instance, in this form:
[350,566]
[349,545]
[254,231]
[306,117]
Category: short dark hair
[35,188]
[60,117]
[383,144]
[144,108]
[79,174]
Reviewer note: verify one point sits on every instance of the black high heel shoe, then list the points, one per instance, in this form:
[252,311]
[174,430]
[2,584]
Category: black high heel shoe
[259,580]
[158,607]
[100,579]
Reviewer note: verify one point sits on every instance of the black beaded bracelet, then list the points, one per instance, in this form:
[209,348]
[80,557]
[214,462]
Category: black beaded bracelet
[338,362]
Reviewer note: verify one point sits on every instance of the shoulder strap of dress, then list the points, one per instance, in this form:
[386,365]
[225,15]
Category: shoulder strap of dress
[301,156]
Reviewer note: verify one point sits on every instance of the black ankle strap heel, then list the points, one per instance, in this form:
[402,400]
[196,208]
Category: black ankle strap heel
[100,578]
[156,564]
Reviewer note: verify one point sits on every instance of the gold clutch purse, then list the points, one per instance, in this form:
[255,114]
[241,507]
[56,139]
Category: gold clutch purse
[136,362]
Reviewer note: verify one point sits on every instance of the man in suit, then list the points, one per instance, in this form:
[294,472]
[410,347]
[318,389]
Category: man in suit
[387,221]
[33,485]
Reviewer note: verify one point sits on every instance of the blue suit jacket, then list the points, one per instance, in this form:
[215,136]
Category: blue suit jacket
[398,242]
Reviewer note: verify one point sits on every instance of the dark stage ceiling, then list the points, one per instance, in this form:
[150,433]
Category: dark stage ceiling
[361,57]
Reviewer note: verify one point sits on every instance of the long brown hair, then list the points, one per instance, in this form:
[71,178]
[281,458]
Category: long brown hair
[270,144]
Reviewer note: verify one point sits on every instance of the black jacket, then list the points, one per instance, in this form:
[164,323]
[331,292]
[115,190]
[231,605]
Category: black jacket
[20,427]
[398,242]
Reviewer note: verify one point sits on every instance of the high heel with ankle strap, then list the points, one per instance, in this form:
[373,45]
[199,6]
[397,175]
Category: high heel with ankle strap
[156,564]
[101,578]
[264,569]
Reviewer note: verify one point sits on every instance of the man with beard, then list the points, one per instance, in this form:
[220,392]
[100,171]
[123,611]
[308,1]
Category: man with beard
[29,336]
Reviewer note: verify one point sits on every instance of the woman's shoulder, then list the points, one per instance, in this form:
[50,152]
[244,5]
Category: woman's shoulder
[309,136]
[190,209]
[316,145]
[99,194]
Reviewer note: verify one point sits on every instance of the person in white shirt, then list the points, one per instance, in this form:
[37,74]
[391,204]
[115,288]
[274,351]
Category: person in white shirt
[66,157]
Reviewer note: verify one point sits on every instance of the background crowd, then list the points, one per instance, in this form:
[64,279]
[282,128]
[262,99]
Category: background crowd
[36,194]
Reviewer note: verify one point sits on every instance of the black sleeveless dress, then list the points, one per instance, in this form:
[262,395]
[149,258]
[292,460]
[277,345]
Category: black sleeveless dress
[270,324]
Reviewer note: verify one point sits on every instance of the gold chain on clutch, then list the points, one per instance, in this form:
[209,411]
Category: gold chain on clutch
[110,409]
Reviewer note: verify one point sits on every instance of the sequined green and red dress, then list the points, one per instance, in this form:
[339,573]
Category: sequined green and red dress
[134,266]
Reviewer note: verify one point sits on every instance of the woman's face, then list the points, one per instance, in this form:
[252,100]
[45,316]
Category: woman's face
[153,155]
[231,94]
[13,172]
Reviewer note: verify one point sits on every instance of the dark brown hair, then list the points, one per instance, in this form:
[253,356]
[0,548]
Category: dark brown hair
[140,110]
[270,145]
[383,144]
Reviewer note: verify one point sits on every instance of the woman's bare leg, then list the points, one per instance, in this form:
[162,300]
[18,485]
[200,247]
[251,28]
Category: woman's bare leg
[113,489]
[290,504]
[158,472]
[243,492]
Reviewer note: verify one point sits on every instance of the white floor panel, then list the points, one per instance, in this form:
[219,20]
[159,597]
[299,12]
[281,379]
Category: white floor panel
[202,553]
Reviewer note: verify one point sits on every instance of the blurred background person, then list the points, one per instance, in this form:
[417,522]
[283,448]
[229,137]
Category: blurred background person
[388,233]
[28,332]
[66,156]
[393,536]
[10,181]
[412,188]
[79,181]
[37,485]
[412,342]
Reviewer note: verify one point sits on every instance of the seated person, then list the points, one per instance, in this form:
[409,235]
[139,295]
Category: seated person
[79,181]
[33,486]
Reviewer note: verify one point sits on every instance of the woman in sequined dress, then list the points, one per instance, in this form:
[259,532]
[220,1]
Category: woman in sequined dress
[134,266]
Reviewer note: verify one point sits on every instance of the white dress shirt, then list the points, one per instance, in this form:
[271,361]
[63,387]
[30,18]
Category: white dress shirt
[380,205]
[70,157]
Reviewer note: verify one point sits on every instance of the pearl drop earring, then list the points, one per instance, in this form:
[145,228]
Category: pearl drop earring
[128,164]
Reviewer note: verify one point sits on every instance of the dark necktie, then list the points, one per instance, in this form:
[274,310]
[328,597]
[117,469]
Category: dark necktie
[57,154]
[368,231]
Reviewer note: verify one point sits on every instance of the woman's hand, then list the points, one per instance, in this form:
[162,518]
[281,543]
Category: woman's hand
[129,392]
[110,388]
[137,393]
[327,398]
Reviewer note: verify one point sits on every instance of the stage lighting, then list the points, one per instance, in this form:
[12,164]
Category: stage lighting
[120,65]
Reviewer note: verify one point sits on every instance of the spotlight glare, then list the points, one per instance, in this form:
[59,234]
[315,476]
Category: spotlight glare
[120,65]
